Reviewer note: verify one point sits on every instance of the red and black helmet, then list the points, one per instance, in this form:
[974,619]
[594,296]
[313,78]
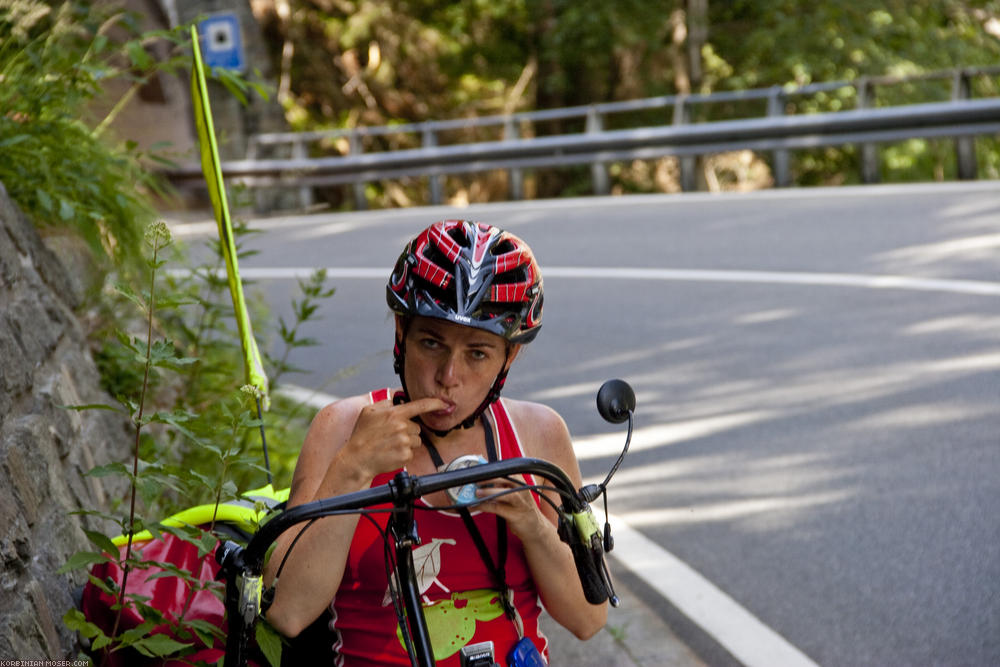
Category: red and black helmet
[473,274]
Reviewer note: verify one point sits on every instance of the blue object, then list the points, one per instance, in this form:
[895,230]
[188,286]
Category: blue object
[221,42]
[525,654]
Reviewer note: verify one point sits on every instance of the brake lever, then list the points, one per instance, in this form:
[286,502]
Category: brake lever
[609,585]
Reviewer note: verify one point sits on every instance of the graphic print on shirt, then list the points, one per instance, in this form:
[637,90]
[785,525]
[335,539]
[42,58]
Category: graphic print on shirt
[451,624]
[427,567]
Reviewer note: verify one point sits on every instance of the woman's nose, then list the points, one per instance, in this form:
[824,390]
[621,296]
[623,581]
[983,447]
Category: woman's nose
[448,371]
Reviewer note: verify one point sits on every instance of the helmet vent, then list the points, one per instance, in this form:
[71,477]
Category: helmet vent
[503,246]
[510,277]
[434,255]
[458,236]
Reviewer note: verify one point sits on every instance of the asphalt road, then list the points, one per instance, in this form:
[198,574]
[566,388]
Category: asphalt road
[818,382]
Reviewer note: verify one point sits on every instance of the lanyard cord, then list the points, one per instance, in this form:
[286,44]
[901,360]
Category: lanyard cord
[498,570]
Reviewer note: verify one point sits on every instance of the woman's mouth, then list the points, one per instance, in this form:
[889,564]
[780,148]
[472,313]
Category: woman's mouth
[446,411]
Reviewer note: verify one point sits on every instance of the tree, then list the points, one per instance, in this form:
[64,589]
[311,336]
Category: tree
[376,62]
[776,42]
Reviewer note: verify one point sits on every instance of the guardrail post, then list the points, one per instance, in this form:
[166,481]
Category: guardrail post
[869,152]
[776,107]
[965,147]
[355,147]
[433,180]
[515,178]
[252,147]
[305,192]
[689,163]
[598,171]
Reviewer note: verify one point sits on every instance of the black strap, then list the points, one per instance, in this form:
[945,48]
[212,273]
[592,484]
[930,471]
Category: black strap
[491,447]
[498,570]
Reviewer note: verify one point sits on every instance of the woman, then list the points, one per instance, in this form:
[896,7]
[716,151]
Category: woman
[466,297]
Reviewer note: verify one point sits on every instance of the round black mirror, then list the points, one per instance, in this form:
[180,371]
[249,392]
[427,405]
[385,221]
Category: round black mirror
[615,400]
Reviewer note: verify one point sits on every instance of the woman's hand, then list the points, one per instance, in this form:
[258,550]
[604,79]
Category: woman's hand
[523,515]
[385,436]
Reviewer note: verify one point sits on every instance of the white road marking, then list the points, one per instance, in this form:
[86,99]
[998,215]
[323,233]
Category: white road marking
[206,226]
[736,629]
[312,398]
[980,287]
[974,287]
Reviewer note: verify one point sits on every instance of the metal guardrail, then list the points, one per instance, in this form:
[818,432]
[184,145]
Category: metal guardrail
[961,119]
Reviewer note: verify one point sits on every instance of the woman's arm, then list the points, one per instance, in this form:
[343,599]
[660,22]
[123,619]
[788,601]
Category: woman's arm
[544,435]
[349,442]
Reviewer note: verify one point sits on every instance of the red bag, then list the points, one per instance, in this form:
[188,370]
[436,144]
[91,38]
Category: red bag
[170,595]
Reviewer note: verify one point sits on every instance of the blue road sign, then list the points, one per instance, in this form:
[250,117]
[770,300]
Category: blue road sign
[221,42]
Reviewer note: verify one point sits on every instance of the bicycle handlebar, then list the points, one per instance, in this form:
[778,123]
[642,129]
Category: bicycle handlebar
[577,526]
[419,486]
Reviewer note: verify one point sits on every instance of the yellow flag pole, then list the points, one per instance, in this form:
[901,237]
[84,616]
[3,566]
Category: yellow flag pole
[211,166]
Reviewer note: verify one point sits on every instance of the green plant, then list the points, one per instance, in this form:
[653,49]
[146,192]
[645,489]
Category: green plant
[59,162]
[149,354]
[194,426]
[55,59]
[313,291]
[195,316]
[166,349]
[617,632]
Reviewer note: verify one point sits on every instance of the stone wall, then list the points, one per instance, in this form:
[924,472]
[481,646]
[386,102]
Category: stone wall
[44,448]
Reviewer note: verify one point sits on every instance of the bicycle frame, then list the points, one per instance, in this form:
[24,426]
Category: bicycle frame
[243,567]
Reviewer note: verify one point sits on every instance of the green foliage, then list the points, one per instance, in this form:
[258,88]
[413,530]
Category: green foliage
[313,291]
[791,42]
[55,59]
[196,429]
[420,59]
[269,641]
[205,420]
[774,42]
[168,353]
[413,60]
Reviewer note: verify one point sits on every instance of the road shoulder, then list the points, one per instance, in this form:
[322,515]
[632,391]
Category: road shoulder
[635,636]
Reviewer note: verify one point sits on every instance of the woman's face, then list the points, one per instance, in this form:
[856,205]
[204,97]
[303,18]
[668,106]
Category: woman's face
[455,363]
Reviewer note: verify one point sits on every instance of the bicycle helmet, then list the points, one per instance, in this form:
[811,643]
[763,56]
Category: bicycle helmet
[472,274]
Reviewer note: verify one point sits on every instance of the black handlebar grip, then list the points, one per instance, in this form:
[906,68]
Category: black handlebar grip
[229,553]
[587,558]
[588,567]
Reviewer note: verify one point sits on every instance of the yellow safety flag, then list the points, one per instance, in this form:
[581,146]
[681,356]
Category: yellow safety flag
[212,167]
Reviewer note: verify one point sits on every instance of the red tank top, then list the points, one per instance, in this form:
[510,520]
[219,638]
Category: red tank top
[460,602]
